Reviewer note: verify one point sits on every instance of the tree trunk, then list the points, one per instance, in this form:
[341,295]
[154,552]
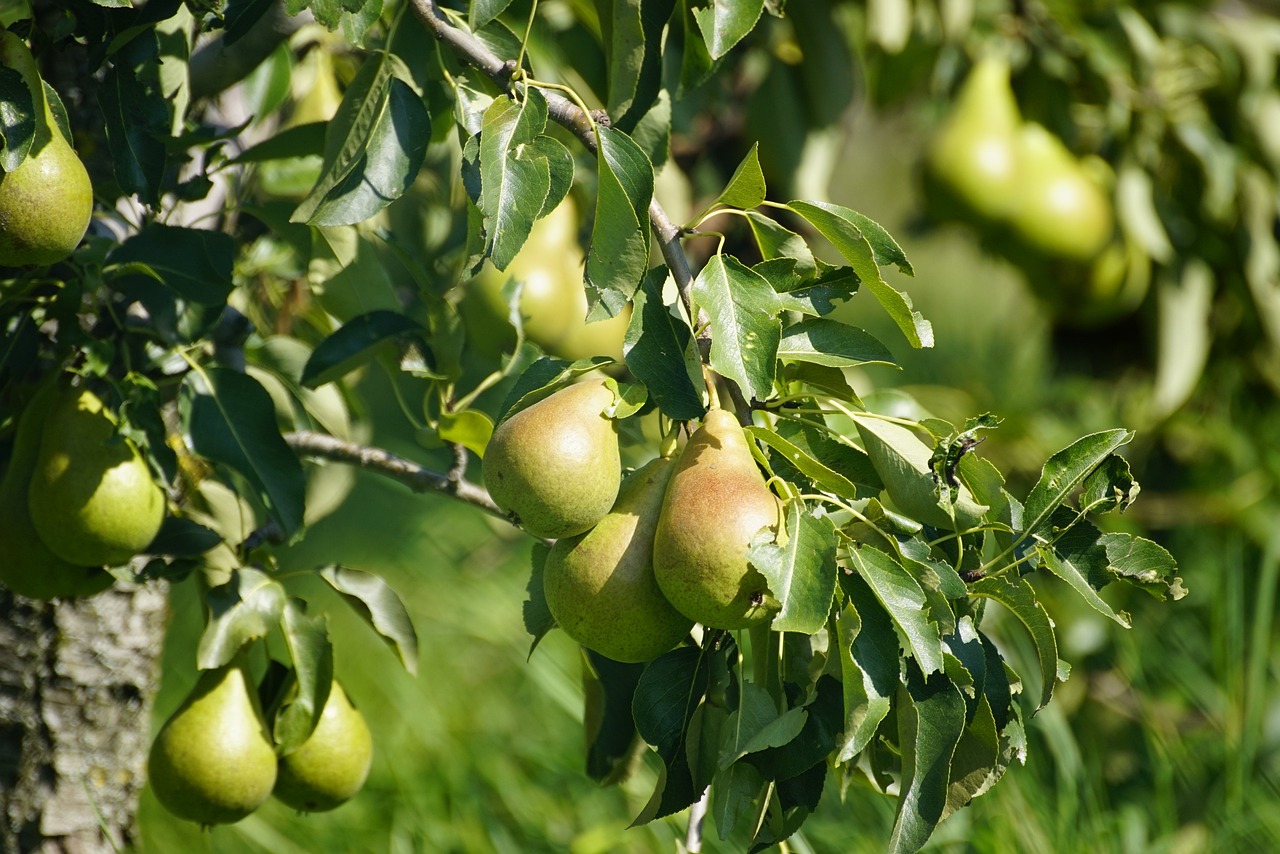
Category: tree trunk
[77,683]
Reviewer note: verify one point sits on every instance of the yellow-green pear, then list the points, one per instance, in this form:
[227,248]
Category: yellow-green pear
[213,761]
[92,497]
[973,153]
[46,202]
[27,567]
[1061,210]
[600,585]
[333,763]
[554,467]
[716,504]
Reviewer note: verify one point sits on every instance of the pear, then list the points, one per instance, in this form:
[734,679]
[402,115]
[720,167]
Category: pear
[213,762]
[332,764]
[716,504]
[27,567]
[600,586]
[973,154]
[554,467]
[46,202]
[91,496]
[1062,210]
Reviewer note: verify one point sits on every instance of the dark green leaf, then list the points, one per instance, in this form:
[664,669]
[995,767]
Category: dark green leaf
[930,722]
[379,606]
[832,343]
[778,242]
[743,310]
[904,601]
[804,462]
[1065,472]
[20,125]
[299,141]
[243,609]
[355,343]
[609,687]
[307,639]
[801,573]
[138,119]
[660,352]
[1020,599]
[869,656]
[976,764]
[182,537]
[735,794]
[756,725]
[619,254]
[481,12]
[669,691]
[724,23]
[514,178]
[1109,487]
[537,616]
[816,740]
[1144,564]
[1078,558]
[746,188]
[194,262]
[233,422]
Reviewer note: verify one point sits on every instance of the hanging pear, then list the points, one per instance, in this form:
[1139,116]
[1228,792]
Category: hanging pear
[1062,211]
[333,763]
[555,465]
[213,762]
[27,567]
[46,202]
[716,504]
[92,498]
[600,585]
[973,154]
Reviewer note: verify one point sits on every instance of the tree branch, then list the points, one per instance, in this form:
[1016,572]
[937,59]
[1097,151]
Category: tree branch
[383,462]
[565,113]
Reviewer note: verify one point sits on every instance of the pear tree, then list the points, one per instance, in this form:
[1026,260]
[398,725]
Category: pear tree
[813,586]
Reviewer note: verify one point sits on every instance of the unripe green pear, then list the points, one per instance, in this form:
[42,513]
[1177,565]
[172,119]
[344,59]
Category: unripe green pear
[213,761]
[333,763]
[27,567]
[973,154]
[600,586]
[716,504]
[1061,209]
[91,495]
[45,203]
[555,466]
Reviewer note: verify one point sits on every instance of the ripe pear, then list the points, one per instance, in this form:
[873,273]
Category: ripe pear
[1061,210]
[973,154]
[213,761]
[46,202]
[600,586]
[92,498]
[27,567]
[332,765]
[716,505]
[555,466]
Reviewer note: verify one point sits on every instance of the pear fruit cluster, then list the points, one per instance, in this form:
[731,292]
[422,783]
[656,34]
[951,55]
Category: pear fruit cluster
[214,762]
[75,497]
[669,549]
[46,202]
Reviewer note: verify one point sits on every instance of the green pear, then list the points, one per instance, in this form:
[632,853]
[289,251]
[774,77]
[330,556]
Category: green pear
[554,467]
[716,504]
[1061,210]
[27,567]
[46,202]
[973,154]
[600,586]
[213,761]
[332,764]
[92,498]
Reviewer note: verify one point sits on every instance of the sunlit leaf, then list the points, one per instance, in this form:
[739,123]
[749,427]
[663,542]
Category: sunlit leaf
[1020,599]
[904,601]
[378,605]
[307,639]
[243,609]
[930,723]
[745,331]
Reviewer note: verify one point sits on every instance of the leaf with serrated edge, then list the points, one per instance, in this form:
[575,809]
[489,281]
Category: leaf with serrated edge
[902,597]
[1017,596]
[930,723]
[659,351]
[724,24]
[1078,558]
[619,254]
[374,600]
[756,725]
[243,609]
[745,330]
[307,639]
[746,188]
[1065,471]
[514,181]
[869,657]
[832,343]
[801,573]
[1143,563]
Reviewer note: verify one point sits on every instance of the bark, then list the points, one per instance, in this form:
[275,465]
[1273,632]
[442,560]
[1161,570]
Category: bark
[77,683]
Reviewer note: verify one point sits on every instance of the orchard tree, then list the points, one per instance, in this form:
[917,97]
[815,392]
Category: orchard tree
[794,593]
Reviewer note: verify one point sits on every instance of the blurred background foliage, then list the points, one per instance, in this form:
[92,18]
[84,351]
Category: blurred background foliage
[1165,737]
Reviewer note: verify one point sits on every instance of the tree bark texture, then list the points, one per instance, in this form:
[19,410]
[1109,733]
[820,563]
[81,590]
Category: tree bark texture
[77,683]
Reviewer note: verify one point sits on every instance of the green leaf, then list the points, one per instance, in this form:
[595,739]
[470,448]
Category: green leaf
[515,179]
[609,687]
[904,601]
[379,606]
[861,243]
[243,609]
[470,428]
[355,343]
[481,12]
[1078,558]
[1020,599]
[194,262]
[298,141]
[930,722]
[832,343]
[743,311]
[374,146]
[821,475]
[660,352]
[735,794]
[746,188]
[777,242]
[537,616]
[801,573]
[232,421]
[20,119]
[1144,564]
[1109,487]
[623,37]
[138,119]
[182,537]
[816,739]
[976,764]
[1065,472]
[869,657]
[756,725]
[724,23]
[307,639]
[669,691]
[618,258]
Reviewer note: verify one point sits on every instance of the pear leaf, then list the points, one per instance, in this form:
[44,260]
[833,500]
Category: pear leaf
[745,331]
[802,572]
[618,258]
[307,639]
[243,609]
[378,605]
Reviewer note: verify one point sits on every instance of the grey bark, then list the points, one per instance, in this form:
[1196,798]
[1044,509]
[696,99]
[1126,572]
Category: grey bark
[77,683]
